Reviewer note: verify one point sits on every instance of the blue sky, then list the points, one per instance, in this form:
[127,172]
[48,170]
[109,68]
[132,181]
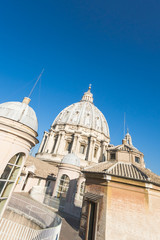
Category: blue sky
[112,44]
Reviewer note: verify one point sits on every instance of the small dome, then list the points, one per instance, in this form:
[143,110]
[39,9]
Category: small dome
[20,112]
[85,114]
[71,159]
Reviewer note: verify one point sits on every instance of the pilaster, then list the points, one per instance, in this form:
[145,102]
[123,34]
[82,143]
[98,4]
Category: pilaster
[90,154]
[43,142]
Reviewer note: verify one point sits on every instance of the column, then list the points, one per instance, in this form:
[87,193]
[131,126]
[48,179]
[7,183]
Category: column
[90,154]
[50,142]
[104,155]
[57,144]
[74,144]
[60,147]
[43,142]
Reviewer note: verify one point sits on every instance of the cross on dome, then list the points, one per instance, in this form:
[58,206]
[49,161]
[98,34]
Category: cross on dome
[88,96]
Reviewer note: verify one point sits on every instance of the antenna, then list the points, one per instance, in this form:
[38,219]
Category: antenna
[124,123]
[36,82]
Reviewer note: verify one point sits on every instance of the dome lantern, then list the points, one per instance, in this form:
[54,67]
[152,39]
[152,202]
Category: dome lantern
[88,96]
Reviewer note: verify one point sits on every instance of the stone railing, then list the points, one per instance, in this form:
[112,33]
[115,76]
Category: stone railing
[60,204]
[10,230]
[49,222]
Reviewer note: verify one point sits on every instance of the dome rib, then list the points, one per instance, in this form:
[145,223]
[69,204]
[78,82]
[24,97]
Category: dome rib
[89,116]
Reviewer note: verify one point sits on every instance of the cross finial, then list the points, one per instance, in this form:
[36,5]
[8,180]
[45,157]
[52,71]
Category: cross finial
[90,85]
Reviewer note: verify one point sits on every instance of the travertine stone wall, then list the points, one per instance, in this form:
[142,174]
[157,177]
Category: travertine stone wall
[133,212]
[53,145]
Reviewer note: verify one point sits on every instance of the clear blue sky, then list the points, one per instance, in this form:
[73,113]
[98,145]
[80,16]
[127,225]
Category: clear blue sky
[113,44]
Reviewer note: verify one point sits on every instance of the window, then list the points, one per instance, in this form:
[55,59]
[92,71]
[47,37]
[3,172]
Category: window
[82,189]
[95,152]
[9,177]
[26,180]
[63,185]
[82,149]
[39,182]
[137,159]
[48,183]
[112,156]
[68,146]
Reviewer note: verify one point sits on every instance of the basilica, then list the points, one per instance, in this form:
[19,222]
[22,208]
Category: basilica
[80,128]
[78,138]
[79,172]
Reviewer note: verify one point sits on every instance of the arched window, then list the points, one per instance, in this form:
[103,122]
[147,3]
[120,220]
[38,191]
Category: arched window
[63,185]
[9,177]
[82,189]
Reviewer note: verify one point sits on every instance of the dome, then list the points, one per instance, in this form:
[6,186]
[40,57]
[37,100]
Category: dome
[20,112]
[71,159]
[85,114]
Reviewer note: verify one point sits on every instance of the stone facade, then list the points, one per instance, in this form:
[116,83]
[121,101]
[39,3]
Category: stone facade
[125,196]
[80,129]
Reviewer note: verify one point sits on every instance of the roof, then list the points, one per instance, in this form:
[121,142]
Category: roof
[124,147]
[84,114]
[42,169]
[71,159]
[126,170]
[20,112]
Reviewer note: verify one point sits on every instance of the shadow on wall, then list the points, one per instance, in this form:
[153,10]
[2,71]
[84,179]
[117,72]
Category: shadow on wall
[68,203]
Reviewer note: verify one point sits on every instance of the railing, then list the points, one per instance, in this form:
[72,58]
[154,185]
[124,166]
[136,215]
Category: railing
[34,212]
[39,194]
[13,231]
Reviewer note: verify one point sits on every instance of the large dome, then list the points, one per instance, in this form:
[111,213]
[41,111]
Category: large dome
[84,114]
[20,112]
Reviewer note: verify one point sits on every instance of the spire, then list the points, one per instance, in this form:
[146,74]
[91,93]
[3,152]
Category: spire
[88,96]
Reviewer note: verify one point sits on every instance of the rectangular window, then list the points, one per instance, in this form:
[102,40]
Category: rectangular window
[112,156]
[82,149]
[48,183]
[39,182]
[95,152]
[68,146]
[137,159]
